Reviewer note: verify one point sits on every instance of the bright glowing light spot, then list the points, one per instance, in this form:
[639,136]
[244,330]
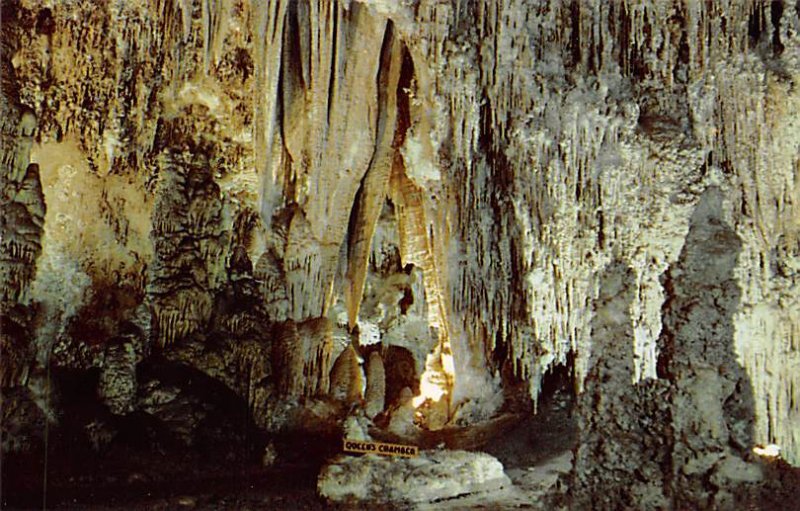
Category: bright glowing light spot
[448,364]
[437,378]
[369,333]
[429,388]
[768,451]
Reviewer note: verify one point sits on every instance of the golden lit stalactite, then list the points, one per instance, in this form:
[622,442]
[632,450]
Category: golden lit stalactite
[374,188]
[417,248]
[268,31]
[330,54]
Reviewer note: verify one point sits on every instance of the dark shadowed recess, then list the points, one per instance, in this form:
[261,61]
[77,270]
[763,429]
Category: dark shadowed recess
[198,440]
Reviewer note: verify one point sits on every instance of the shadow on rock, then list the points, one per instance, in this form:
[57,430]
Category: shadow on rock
[683,440]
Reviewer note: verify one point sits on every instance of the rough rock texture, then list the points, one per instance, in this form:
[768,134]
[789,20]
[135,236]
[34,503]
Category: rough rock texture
[375,393]
[682,440]
[117,385]
[188,242]
[302,357]
[710,397]
[436,475]
[621,455]
[590,131]
[21,226]
[449,178]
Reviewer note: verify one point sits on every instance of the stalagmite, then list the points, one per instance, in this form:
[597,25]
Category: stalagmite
[347,379]
[401,414]
[272,281]
[711,397]
[117,385]
[375,394]
[618,458]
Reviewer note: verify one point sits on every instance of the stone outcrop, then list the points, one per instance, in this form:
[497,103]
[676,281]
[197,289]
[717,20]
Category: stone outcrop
[684,439]
[621,453]
[437,475]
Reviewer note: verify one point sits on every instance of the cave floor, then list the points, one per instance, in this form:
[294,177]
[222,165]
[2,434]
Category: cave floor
[534,453]
[182,485]
[153,482]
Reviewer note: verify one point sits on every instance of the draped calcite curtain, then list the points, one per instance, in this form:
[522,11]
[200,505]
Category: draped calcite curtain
[317,133]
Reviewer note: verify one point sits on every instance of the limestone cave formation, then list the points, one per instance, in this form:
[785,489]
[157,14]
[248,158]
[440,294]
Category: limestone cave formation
[535,254]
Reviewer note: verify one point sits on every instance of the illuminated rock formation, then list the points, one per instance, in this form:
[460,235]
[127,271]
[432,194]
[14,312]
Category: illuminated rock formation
[439,475]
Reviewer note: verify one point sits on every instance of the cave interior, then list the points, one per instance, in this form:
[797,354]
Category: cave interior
[533,254]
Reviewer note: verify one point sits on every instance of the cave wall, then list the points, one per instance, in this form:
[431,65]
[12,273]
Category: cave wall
[581,134]
[329,160]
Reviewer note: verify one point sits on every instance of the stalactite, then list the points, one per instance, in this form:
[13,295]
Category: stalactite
[416,245]
[301,358]
[374,187]
[268,25]
[215,14]
[328,53]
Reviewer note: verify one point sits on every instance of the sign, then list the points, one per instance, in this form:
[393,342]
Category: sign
[367,447]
